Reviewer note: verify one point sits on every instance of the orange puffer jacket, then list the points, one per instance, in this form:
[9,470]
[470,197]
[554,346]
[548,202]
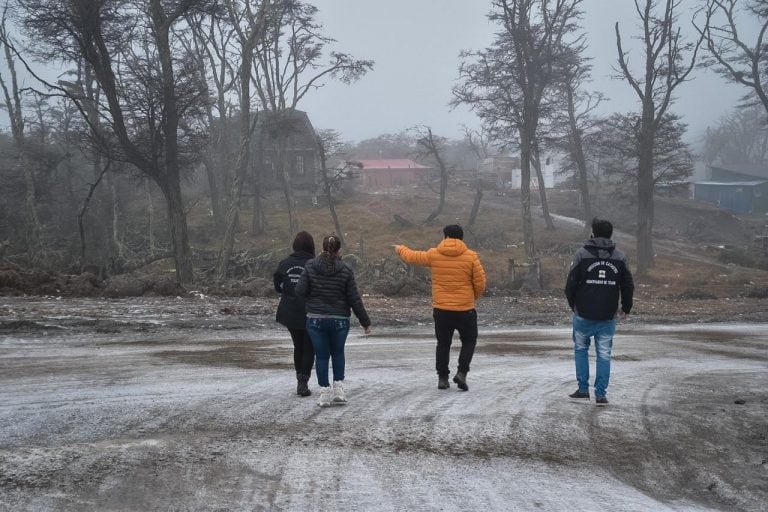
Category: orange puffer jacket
[458,278]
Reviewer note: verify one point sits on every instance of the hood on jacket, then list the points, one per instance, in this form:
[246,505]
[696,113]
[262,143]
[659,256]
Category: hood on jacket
[452,247]
[302,255]
[328,265]
[600,247]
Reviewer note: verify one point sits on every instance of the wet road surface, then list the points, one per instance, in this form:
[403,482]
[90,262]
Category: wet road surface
[166,406]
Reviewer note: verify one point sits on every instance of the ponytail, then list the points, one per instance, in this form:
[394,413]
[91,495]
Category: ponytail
[331,244]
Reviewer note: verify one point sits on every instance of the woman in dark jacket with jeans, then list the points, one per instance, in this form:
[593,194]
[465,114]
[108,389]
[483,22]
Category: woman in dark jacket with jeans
[330,290]
[290,310]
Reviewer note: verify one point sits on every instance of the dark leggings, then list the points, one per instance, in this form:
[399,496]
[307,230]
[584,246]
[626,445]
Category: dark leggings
[303,353]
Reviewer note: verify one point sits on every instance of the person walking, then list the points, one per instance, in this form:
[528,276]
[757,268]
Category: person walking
[290,309]
[328,284]
[598,278]
[458,280]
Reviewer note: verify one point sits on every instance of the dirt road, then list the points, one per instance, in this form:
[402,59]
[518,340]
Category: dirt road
[169,406]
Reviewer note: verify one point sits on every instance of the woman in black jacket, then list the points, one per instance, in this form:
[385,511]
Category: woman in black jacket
[329,287]
[290,310]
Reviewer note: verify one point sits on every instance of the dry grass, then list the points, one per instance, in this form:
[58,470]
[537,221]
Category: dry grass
[370,231]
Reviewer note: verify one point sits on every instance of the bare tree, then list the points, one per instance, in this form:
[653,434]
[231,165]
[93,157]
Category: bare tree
[287,68]
[146,87]
[668,60]
[574,120]
[13,105]
[250,28]
[329,145]
[731,55]
[740,137]
[618,146]
[211,45]
[536,163]
[479,144]
[83,209]
[432,147]
[506,84]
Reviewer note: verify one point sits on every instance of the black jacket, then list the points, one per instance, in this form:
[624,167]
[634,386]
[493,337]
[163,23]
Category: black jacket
[290,310]
[328,284]
[599,275]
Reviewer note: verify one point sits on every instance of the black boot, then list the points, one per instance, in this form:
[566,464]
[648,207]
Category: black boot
[302,388]
[442,382]
[461,380]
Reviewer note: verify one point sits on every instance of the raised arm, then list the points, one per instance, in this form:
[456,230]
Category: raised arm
[413,257]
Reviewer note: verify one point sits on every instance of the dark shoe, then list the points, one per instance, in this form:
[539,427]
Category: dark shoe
[579,394]
[601,400]
[461,380]
[442,382]
[302,388]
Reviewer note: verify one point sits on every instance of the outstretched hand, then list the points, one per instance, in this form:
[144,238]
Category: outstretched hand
[367,330]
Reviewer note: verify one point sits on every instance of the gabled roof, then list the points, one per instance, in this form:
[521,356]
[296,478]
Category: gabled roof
[395,163]
[756,170]
[732,183]
[295,124]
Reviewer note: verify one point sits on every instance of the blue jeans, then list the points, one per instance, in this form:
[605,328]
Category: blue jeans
[328,336]
[602,331]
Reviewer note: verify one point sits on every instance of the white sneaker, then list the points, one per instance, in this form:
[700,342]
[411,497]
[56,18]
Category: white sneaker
[325,397]
[338,392]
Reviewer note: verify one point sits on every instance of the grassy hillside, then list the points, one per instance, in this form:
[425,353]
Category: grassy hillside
[687,257]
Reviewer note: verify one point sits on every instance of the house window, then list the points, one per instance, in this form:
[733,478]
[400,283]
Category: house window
[300,165]
[269,167]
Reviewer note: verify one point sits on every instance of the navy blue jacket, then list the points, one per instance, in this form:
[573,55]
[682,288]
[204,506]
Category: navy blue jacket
[598,278]
[290,311]
[328,285]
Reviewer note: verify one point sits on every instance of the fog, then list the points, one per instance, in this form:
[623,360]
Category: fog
[416,47]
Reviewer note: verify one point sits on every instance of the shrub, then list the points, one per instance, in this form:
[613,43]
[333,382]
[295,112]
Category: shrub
[758,293]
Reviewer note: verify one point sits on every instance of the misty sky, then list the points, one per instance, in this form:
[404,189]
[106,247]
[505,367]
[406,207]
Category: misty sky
[416,45]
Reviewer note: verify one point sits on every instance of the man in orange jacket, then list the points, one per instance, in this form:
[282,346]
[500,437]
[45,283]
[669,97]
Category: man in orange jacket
[458,279]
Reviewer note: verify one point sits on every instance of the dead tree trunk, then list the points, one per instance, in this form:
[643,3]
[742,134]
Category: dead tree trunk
[525,192]
[576,147]
[16,116]
[536,160]
[243,157]
[328,195]
[82,212]
[476,202]
[258,222]
[284,171]
[429,143]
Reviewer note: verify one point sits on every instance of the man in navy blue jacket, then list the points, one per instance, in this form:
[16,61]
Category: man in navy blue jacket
[598,279]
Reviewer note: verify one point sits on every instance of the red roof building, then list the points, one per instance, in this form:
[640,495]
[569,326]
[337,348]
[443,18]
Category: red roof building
[398,172]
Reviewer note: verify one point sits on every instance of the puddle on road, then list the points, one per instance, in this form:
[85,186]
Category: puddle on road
[624,357]
[517,348]
[522,343]
[247,357]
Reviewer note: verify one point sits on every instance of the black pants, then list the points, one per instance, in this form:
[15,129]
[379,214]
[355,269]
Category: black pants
[303,353]
[445,323]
